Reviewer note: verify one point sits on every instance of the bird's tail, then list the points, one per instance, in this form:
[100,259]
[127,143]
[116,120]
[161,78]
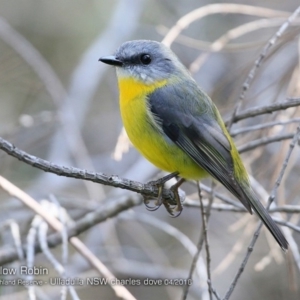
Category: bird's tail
[265,217]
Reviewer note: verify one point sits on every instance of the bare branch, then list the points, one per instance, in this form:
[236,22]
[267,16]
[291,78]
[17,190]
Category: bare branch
[231,34]
[261,110]
[108,210]
[287,224]
[259,62]
[171,231]
[205,218]
[113,180]
[225,207]
[264,141]
[256,234]
[201,12]
[263,126]
[119,290]
[200,242]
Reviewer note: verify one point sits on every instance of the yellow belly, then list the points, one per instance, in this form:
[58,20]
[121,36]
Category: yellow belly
[157,148]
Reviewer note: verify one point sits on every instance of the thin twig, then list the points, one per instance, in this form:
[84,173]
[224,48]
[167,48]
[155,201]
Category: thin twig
[171,231]
[200,242]
[280,176]
[222,8]
[225,207]
[264,141]
[287,224]
[14,191]
[15,232]
[244,262]
[232,34]
[193,266]
[237,247]
[108,210]
[266,109]
[220,196]
[263,126]
[30,256]
[229,35]
[204,230]
[259,62]
[206,46]
[43,228]
[271,198]
[55,210]
[215,293]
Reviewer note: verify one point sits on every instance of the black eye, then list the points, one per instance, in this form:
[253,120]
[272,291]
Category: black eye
[145,59]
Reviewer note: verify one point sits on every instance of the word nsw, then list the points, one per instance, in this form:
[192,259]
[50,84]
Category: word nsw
[130,281]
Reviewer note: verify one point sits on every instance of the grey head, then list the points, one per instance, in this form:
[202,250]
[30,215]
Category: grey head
[145,60]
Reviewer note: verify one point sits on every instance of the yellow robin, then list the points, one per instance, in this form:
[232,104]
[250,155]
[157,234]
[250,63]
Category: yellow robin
[176,126]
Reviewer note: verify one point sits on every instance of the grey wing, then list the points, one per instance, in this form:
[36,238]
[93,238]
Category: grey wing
[200,136]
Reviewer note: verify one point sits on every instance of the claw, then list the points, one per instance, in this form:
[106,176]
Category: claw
[174,211]
[152,208]
[158,201]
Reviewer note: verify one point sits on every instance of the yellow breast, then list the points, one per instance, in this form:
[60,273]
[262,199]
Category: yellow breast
[133,105]
[132,89]
[143,134]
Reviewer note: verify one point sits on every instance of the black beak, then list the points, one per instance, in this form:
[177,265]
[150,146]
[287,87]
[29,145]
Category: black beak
[111,60]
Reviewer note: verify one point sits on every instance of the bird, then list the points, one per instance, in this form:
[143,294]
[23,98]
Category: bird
[174,124]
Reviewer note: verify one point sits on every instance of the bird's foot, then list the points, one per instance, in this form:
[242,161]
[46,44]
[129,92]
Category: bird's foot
[160,185]
[173,210]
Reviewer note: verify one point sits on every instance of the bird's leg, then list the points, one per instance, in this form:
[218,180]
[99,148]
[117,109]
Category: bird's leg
[175,211]
[160,184]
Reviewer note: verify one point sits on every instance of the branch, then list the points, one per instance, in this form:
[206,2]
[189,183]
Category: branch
[109,210]
[234,33]
[205,216]
[259,62]
[264,141]
[271,198]
[260,110]
[287,224]
[120,291]
[200,242]
[241,209]
[111,180]
[263,126]
[219,8]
